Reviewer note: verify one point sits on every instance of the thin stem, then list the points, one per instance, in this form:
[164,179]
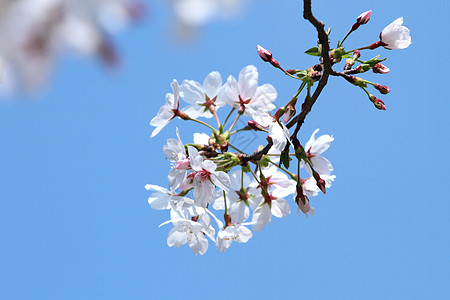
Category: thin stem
[203,123]
[229,114]
[225,201]
[280,167]
[235,120]
[235,148]
[342,42]
[217,118]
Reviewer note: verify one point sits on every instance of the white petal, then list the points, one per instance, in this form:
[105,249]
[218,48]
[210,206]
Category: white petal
[280,208]
[264,96]
[312,139]
[239,212]
[201,138]
[192,92]
[321,144]
[248,82]
[176,238]
[231,93]
[195,159]
[212,84]
[221,180]
[261,217]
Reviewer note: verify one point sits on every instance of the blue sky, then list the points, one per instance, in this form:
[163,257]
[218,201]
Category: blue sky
[74,217]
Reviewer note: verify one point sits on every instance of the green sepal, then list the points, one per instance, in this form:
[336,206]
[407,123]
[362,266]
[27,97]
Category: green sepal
[285,158]
[314,51]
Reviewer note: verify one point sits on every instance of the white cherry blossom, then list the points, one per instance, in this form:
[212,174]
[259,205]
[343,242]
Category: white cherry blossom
[165,199]
[205,178]
[232,233]
[176,154]
[263,213]
[168,111]
[246,95]
[201,97]
[314,148]
[396,36]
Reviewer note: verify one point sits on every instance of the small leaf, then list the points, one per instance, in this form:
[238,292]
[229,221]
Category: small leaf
[285,158]
[314,51]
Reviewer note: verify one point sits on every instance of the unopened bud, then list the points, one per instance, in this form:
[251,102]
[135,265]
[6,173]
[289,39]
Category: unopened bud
[266,56]
[292,71]
[320,182]
[377,102]
[356,54]
[380,69]
[255,126]
[290,112]
[362,19]
[382,88]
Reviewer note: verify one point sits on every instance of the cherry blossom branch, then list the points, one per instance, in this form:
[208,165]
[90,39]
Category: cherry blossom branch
[325,62]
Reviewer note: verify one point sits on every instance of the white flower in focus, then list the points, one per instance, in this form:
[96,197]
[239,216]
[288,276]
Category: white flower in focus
[186,230]
[165,199]
[246,95]
[236,232]
[278,182]
[238,201]
[395,36]
[202,99]
[314,147]
[176,154]
[168,111]
[263,213]
[205,178]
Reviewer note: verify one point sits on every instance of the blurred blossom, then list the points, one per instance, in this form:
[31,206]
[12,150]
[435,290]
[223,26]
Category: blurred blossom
[34,32]
[191,14]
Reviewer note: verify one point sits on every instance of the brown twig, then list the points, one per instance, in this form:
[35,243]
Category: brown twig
[325,62]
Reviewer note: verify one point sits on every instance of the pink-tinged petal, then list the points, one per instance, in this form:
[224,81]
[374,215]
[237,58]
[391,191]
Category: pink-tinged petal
[193,92]
[231,92]
[212,84]
[248,82]
[264,96]
[321,144]
[221,180]
[195,159]
[204,191]
[176,238]
[280,208]
[239,212]
[261,217]
[312,139]
[396,36]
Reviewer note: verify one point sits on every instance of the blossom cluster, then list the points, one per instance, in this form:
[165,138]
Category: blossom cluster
[211,174]
[35,32]
[217,179]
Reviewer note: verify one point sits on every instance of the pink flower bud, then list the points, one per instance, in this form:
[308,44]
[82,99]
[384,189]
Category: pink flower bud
[382,88]
[255,126]
[319,182]
[380,69]
[267,56]
[264,54]
[357,54]
[377,102]
[362,19]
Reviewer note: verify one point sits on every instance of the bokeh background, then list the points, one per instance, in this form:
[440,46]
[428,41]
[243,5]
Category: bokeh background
[75,156]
